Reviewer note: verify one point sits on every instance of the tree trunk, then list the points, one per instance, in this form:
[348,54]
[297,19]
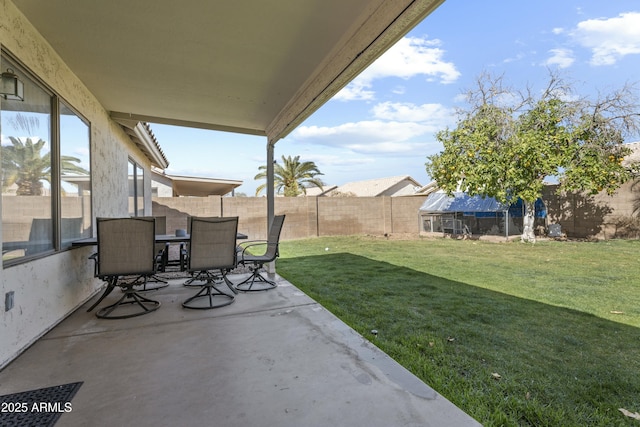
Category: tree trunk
[528,220]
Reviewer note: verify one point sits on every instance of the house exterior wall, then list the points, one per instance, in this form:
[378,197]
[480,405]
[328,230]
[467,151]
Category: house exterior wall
[48,289]
[162,186]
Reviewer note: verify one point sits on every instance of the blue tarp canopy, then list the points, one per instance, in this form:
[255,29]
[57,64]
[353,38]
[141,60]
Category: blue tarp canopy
[440,202]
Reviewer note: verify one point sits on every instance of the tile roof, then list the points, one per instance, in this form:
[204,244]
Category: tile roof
[377,187]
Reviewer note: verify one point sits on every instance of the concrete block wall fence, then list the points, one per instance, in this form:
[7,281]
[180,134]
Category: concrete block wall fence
[580,215]
[306,216]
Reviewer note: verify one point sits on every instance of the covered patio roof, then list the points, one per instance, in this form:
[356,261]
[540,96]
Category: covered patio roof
[198,186]
[258,67]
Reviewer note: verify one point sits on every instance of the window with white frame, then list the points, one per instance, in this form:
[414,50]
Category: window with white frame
[45,171]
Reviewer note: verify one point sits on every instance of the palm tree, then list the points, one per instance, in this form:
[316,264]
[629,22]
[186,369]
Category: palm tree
[292,176]
[25,166]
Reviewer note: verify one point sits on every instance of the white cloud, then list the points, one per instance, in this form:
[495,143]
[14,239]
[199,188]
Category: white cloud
[335,160]
[396,148]
[433,114]
[367,137]
[355,92]
[610,39]
[557,30]
[365,131]
[562,58]
[409,57]
[394,129]
[516,58]
[399,90]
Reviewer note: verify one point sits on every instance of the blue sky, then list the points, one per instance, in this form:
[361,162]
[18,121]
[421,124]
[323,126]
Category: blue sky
[384,123]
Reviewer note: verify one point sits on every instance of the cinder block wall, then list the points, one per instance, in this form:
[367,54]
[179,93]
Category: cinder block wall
[404,217]
[351,215]
[178,209]
[580,215]
[251,213]
[600,216]
[306,216]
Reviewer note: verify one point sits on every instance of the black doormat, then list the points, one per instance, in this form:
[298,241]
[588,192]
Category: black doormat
[37,408]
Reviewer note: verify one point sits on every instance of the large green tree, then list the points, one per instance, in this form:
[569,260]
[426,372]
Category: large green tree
[292,177]
[507,142]
[24,164]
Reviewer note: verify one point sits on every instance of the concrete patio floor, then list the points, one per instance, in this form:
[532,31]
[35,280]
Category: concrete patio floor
[274,358]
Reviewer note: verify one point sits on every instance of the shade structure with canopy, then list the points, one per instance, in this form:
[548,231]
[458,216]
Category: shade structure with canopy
[462,213]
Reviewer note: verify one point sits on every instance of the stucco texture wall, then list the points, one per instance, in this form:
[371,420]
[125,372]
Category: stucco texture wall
[48,289]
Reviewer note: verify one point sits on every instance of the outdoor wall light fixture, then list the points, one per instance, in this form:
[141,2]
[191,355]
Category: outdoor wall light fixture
[11,87]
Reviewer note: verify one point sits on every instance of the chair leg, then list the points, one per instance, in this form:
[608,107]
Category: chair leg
[111,284]
[147,305]
[201,276]
[230,284]
[213,297]
[262,283]
[156,279]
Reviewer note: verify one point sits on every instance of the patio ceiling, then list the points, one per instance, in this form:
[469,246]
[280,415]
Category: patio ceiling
[253,66]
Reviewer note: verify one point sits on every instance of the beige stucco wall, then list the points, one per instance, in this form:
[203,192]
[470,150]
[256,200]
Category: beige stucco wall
[48,289]
[163,186]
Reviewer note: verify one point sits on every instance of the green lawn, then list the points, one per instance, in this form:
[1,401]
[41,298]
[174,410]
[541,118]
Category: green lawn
[514,334]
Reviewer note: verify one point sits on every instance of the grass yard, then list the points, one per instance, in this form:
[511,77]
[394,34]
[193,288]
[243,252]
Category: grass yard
[514,334]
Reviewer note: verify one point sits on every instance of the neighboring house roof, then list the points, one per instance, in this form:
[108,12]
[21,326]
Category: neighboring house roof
[635,153]
[428,189]
[253,66]
[196,186]
[142,136]
[391,186]
[315,191]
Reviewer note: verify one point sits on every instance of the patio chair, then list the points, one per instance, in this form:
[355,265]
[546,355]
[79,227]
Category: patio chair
[211,254]
[162,249]
[125,259]
[247,257]
[161,255]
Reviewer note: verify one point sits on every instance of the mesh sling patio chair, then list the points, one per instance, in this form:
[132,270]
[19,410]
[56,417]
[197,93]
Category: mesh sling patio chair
[162,249]
[211,254]
[125,259]
[268,251]
[161,256]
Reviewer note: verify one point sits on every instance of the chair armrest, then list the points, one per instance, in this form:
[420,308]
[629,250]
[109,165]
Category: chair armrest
[251,242]
[162,256]
[94,256]
[241,248]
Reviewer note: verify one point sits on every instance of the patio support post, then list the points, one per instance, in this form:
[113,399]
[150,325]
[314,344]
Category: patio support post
[270,267]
